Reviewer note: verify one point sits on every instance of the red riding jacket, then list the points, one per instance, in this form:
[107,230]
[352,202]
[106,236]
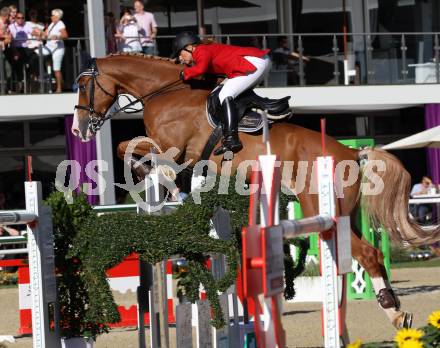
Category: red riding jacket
[223,60]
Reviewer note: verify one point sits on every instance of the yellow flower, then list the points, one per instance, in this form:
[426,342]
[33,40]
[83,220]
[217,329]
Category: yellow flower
[412,344]
[434,319]
[357,344]
[406,335]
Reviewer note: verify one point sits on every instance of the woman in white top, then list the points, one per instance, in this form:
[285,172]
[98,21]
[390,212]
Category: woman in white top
[37,27]
[55,34]
[128,32]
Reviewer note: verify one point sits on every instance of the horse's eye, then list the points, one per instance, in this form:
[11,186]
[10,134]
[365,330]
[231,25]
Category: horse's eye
[82,88]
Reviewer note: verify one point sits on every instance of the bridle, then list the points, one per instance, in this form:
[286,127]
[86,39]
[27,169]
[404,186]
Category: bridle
[96,118]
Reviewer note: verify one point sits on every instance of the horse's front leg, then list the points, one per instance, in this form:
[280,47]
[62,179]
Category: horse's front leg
[131,153]
[371,259]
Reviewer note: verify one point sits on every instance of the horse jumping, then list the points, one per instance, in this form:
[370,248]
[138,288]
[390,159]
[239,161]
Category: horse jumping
[175,116]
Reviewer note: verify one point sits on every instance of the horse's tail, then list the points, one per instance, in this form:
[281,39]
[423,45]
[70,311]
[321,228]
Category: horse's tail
[389,208]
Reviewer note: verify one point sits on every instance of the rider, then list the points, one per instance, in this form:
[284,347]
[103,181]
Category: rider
[243,66]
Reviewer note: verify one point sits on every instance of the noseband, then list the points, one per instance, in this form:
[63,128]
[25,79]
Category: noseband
[96,118]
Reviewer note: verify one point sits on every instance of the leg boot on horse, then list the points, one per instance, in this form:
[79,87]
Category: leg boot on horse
[134,160]
[372,260]
[231,141]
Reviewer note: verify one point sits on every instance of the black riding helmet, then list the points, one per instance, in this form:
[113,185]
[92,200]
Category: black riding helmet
[182,40]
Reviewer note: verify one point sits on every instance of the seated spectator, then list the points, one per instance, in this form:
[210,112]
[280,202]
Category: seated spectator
[19,54]
[422,212]
[128,33]
[55,34]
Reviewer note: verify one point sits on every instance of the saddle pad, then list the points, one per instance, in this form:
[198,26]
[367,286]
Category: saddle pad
[250,123]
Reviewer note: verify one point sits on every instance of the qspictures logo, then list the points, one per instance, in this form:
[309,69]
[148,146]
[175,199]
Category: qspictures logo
[295,177]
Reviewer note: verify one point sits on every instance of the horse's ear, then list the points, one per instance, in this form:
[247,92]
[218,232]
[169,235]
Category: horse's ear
[92,64]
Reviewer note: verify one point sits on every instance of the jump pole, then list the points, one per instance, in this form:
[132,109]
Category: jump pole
[263,258]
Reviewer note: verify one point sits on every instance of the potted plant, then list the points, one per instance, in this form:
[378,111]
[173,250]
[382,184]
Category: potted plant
[77,329]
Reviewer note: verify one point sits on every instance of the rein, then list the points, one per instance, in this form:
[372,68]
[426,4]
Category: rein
[97,119]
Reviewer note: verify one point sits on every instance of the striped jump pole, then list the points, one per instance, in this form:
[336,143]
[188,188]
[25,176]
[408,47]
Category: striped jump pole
[38,219]
[263,266]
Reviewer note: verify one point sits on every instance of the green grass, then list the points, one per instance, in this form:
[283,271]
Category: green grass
[8,286]
[435,262]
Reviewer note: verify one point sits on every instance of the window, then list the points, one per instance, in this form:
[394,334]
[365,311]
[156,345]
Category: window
[47,132]
[11,134]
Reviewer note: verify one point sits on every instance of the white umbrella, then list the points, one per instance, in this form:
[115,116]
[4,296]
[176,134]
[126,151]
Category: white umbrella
[427,138]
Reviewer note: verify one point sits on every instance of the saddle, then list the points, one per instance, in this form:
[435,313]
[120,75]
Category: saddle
[250,107]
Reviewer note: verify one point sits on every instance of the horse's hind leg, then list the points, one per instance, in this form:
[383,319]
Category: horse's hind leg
[371,259]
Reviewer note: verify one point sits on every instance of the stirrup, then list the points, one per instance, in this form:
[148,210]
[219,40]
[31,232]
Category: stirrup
[228,147]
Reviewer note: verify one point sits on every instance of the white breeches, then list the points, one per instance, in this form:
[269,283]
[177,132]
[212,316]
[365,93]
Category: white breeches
[235,86]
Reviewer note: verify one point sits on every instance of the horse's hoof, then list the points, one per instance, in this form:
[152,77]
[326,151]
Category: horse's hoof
[403,320]
[141,170]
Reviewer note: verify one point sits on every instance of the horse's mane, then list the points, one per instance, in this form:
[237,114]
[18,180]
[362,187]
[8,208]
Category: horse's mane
[141,55]
[205,84]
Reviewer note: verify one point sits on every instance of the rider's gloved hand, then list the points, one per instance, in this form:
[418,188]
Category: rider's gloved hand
[181,75]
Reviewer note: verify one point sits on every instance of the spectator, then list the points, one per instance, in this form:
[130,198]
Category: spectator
[128,33]
[34,41]
[8,231]
[5,37]
[148,26]
[19,54]
[55,34]
[37,27]
[286,59]
[12,13]
[110,31]
[422,212]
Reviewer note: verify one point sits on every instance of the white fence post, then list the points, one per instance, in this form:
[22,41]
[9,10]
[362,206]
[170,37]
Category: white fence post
[42,269]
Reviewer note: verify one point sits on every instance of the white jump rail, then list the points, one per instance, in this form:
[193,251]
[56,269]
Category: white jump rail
[38,219]
[16,217]
[14,251]
[305,226]
[13,240]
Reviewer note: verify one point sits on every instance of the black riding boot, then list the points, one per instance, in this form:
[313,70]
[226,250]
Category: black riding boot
[231,141]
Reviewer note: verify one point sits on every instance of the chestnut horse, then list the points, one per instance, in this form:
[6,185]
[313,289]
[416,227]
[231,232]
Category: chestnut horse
[174,116]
